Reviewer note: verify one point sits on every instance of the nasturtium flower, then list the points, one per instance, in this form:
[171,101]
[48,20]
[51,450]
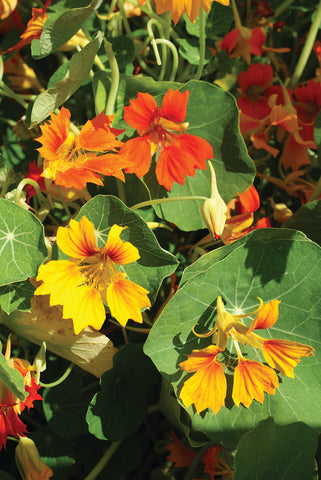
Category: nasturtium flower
[29,463]
[163,129]
[89,279]
[74,160]
[179,7]
[33,30]
[10,406]
[206,388]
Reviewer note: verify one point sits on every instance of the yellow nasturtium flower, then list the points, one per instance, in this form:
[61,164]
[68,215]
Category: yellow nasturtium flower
[89,279]
[206,388]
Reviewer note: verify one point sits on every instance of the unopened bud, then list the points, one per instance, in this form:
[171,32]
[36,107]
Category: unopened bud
[29,463]
[281,213]
[214,209]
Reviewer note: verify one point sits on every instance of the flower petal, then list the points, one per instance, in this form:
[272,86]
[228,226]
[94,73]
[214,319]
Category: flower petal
[141,112]
[251,380]
[284,355]
[97,135]
[119,252]
[85,307]
[138,151]
[206,388]
[78,241]
[59,277]
[125,299]
[54,134]
[266,316]
[174,105]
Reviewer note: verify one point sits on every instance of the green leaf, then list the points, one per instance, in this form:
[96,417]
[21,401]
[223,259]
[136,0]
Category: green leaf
[123,49]
[154,263]
[65,408]
[55,452]
[193,28]
[16,296]
[12,379]
[219,125]
[22,243]
[78,71]
[307,219]
[189,49]
[218,20]
[5,476]
[266,265]
[58,32]
[317,135]
[123,393]
[101,87]
[273,451]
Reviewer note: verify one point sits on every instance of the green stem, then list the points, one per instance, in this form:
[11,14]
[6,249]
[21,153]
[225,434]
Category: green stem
[316,192]
[110,107]
[60,380]
[282,7]
[34,184]
[202,44]
[150,24]
[307,48]
[103,461]
[175,58]
[7,92]
[192,468]
[157,201]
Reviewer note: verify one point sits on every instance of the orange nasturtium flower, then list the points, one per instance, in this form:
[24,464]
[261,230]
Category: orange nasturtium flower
[162,129]
[207,387]
[89,279]
[179,7]
[10,405]
[72,160]
[33,30]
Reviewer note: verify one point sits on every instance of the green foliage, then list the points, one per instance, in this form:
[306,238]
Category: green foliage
[124,389]
[307,220]
[22,243]
[282,452]
[12,379]
[78,71]
[268,266]
[16,296]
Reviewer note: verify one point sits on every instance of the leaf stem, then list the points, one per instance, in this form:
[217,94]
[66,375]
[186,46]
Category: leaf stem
[316,191]
[103,461]
[60,380]
[110,107]
[157,201]
[202,44]
[308,45]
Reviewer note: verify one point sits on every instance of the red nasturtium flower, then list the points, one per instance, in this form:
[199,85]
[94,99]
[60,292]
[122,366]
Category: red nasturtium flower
[74,160]
[163,130]
[179,7]
[10,405]
[89,279]
[206,388]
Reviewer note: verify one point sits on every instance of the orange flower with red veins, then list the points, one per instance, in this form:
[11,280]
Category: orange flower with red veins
[207,387]
[162,129]
[72,160]
[251,380]
[178,8]
[89,279]
[10,405]
[7,7]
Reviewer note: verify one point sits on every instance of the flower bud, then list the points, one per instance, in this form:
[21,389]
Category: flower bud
[29,463]
[214,209]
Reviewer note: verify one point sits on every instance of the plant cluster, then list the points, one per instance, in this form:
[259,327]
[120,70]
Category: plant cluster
[160,204]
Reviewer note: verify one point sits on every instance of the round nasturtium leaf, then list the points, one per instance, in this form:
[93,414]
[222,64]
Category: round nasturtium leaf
[154,263]
[274,451]
[22,243]
[270,264]
[218,123]
[121,406]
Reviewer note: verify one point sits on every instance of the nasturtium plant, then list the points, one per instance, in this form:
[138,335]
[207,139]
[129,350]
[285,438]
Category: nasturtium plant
[160,189]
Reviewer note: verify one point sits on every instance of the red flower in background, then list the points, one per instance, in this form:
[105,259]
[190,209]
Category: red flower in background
[162,129]
[10,406]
